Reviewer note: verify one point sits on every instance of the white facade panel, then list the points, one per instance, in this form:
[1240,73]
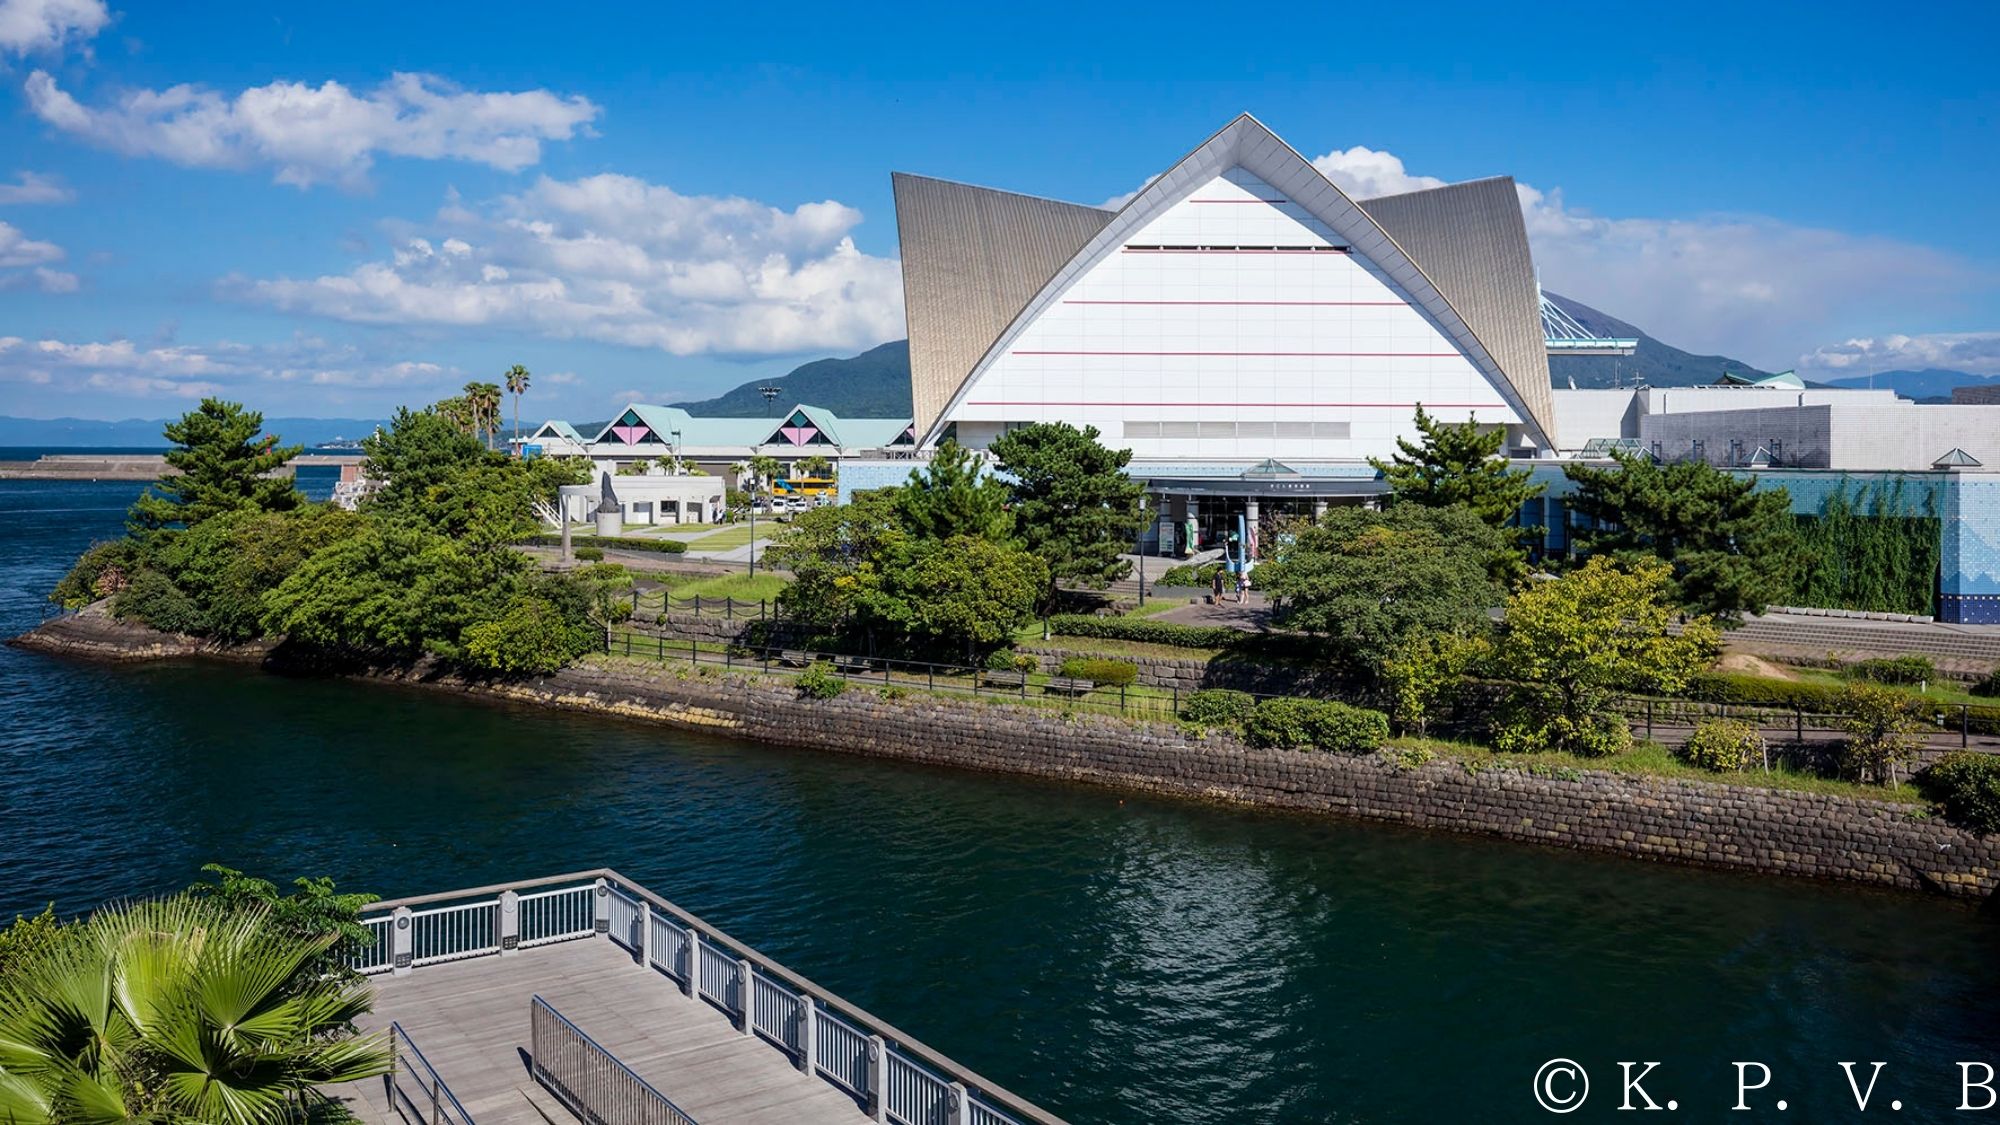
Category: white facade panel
[1234,305]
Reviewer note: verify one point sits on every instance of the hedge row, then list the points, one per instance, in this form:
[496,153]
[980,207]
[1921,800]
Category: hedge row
[1142,629]
[1729,687]
[612,542]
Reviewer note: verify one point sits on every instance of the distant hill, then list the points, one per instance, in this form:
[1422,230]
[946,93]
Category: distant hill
[1929,383]
[145,432]
[1655,364]
[874,384]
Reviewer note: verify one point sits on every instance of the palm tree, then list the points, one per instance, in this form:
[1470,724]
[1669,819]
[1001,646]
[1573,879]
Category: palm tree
[179,1010]
[517,385]
[485,401]
[458,411]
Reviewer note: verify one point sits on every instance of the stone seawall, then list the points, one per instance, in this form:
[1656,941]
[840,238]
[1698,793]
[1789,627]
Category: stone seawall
[1707,823]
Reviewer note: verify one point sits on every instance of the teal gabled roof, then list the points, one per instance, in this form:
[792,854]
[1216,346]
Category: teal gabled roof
[640,425]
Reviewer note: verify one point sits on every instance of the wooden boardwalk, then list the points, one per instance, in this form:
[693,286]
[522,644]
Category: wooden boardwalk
[470,1019]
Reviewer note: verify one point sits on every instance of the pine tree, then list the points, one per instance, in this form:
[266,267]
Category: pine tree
[225,463]
[1458,464]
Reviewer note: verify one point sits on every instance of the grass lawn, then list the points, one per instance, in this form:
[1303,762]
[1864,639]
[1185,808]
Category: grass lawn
[742,587]
[1651,759]
[729,538]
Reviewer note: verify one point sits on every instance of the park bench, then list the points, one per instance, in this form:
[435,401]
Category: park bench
[998,678]
[851,664]
[1069,685]
[795,658]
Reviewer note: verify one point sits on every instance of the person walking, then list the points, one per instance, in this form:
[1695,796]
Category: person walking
[1215,586]
[1242,585]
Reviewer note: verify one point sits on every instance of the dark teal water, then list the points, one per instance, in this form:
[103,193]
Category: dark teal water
[1118,959]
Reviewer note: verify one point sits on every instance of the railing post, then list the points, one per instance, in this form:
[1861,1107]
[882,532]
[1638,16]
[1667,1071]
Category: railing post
[746,994]
[692,985]
[878,1078]
[400,941]
[603,900]
[1799,725]
[808,1032]
[958,1104]
[510,923]
[1964,726]
[645,942]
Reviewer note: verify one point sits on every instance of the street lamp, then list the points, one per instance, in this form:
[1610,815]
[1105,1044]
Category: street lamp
[770,394]
[753,523]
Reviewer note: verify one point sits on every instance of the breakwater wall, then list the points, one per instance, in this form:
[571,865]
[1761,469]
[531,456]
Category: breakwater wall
[1740,827]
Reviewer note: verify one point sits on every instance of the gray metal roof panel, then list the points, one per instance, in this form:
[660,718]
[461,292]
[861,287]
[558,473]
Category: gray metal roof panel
[972,258]
[1470,239]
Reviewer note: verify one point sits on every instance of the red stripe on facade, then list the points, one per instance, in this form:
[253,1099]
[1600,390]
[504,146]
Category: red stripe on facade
[1286,355]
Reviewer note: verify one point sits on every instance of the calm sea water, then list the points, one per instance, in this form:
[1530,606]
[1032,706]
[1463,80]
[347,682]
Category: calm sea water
[1117,959]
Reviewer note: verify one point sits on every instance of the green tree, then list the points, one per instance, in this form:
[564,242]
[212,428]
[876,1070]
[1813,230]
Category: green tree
[1732,548]
[1457,465]
[182,1010]
[517,378]
[1885,729]
[228,564]
[1073,505]
[1572,644]
[1425,670]
[1367,580]
[482,403]
[831,554]
[223,458]
[960,595]
[954,495]
[816,466]
[394,588]
[312,910]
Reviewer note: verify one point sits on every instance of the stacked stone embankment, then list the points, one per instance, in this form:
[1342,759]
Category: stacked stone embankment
[1741,827]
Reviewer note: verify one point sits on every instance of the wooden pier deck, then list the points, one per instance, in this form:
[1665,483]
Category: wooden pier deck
[470,1019]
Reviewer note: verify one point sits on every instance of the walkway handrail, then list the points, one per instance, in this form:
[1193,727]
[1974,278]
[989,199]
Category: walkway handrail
[909,1078]
[439,1105]
[590,1080]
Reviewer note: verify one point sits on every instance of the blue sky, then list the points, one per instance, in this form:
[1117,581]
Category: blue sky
[335,209]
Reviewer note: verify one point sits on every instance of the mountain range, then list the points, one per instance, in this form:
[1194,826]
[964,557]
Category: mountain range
[144,433]
[1930,384]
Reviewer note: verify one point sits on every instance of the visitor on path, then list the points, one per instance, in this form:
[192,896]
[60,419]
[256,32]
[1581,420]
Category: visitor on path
[1215,586]
[1242,585]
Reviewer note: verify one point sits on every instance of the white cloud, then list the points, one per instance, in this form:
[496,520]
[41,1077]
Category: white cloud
[33,187]
[1749,286]
[1365,173]
[124,367]
[45,25]
[17,249]
[26,261]
[1977,352]
[616,259]
[315,134]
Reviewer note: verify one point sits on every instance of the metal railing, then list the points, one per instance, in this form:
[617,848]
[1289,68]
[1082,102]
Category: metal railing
[447,933]
[864,1057]
[558,915]
[415,1090]
[1033,688]
[589,1079]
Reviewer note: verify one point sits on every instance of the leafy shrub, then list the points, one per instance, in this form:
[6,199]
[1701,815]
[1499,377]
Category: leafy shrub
[1531,722]
[1189,576]
[1884,729]
[152,598]
[821,682]
[532,635]
[1000,660]
[1335,727]
[1987,686]
[1909,668]
[100,573]
[1218,707]
[1143,629]
[1101,671]
[1966,785]
[590,554]
[658,546]
[1724,745]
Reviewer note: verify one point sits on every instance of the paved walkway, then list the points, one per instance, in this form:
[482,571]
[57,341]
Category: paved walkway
[470,1019]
